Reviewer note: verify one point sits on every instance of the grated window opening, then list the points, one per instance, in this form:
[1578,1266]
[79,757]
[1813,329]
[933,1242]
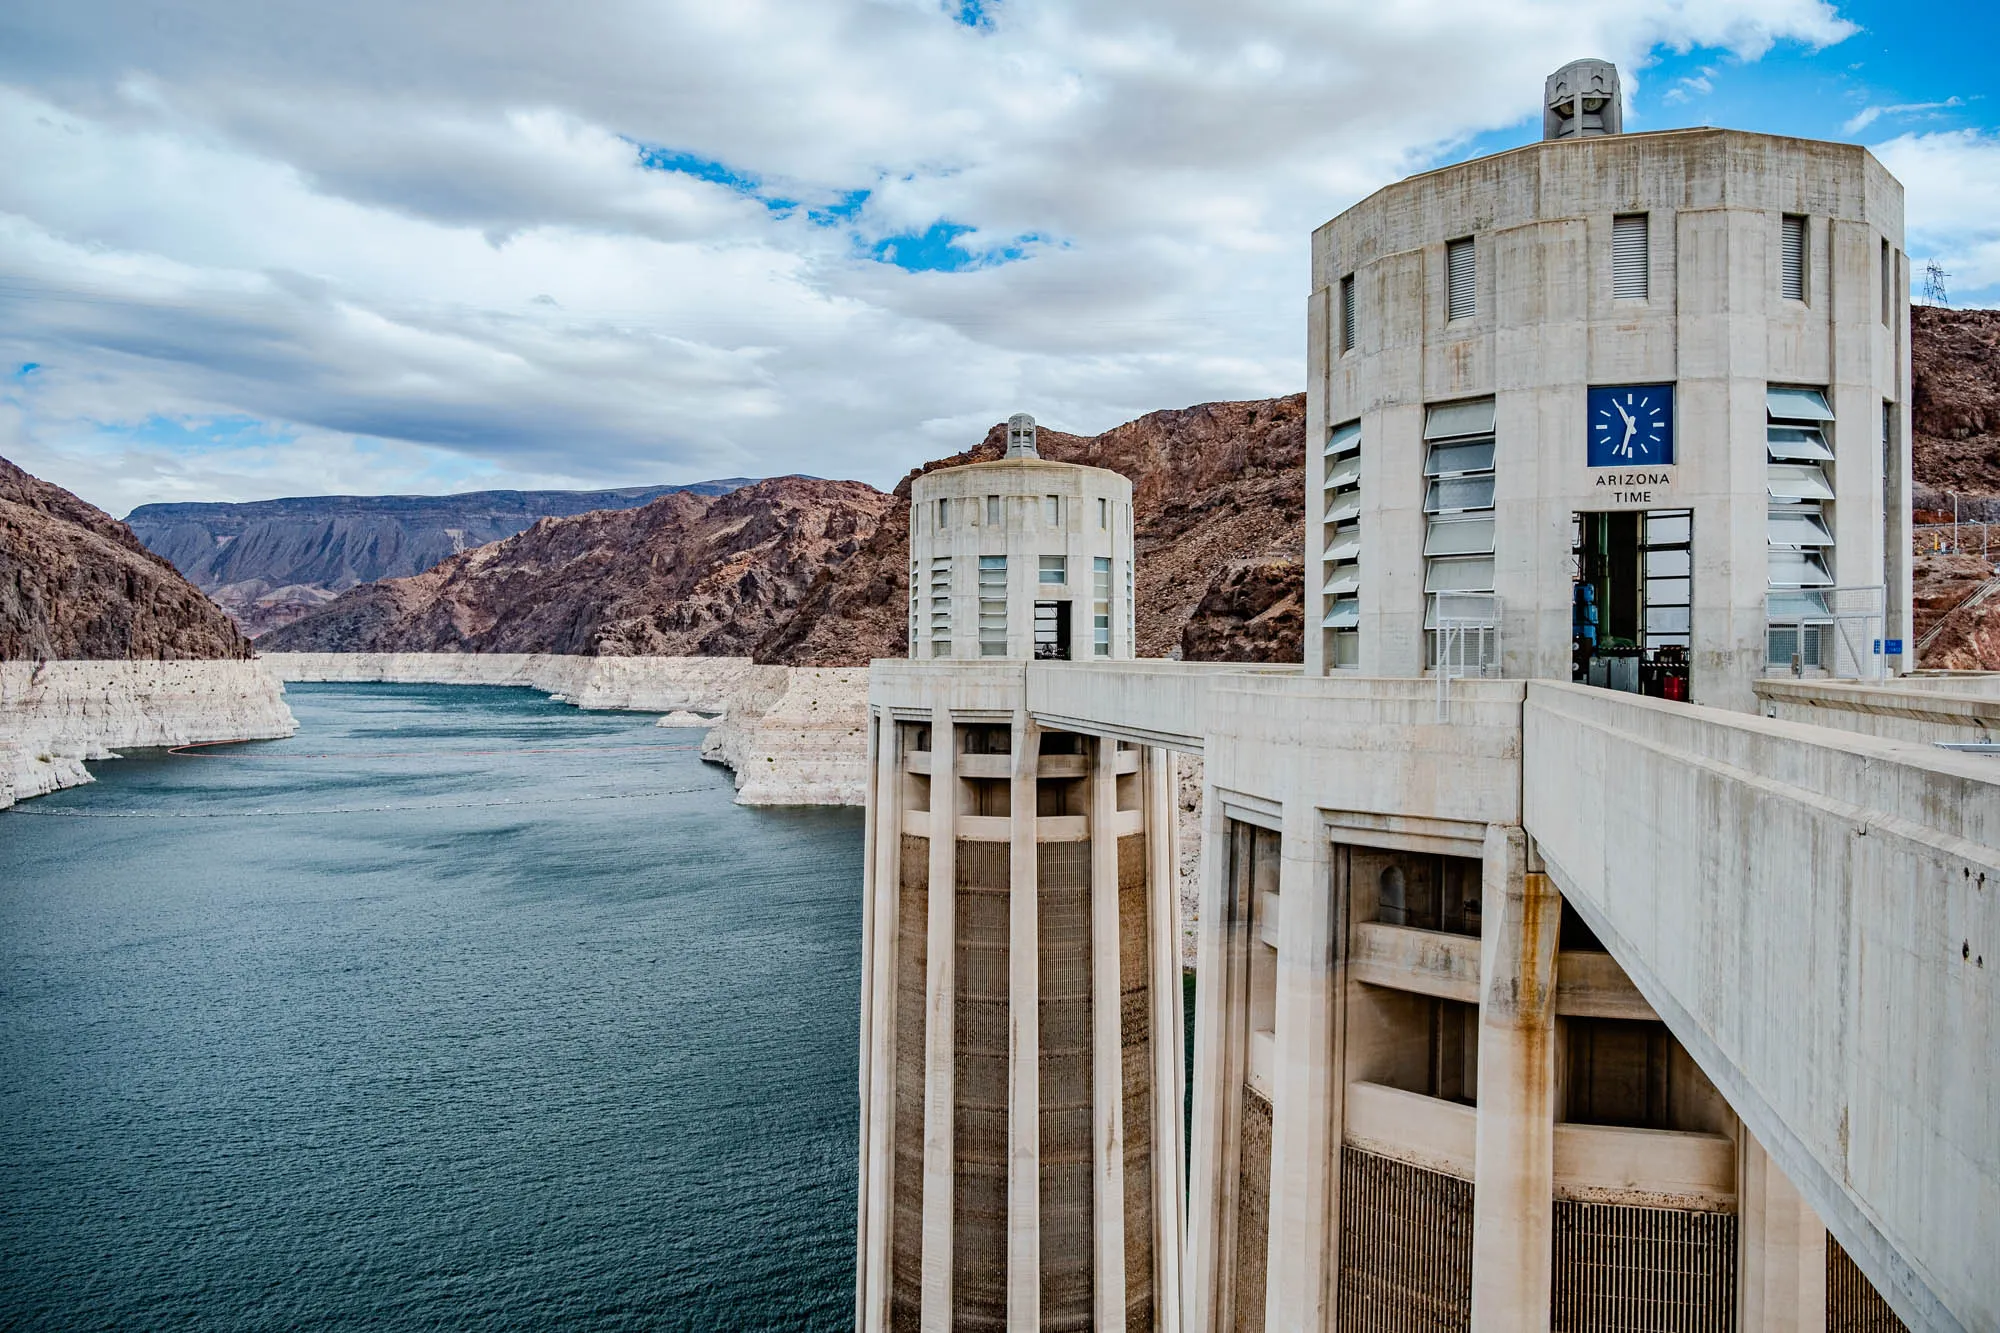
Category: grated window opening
[1888,285]
[1792,257]
[1131,628]
[1340,581]
[1799,533]
[1458,497]
[992,606]
[1460,299]
[1100,606]
[940,593]
[1630,257]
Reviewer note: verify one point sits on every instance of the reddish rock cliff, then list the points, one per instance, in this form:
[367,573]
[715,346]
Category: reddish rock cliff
[1219,509]
[76,584]
[1218,501]
[686,575]
[1955,401]
[1955,408]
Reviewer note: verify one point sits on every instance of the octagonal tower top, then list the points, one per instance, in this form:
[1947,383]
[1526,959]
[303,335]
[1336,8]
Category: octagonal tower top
[1581,100]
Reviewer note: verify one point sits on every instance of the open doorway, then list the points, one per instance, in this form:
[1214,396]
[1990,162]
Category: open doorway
[1052,631]
[1631,599]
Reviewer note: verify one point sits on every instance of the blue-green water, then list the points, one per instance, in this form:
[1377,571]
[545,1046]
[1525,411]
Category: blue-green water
[561,1036]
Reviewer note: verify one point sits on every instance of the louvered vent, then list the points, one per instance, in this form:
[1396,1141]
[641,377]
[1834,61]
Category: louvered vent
[1792,259]
[1629,257]
[1459,303]
[1347,313]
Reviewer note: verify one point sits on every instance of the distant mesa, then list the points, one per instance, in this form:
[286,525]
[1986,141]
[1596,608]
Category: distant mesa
[269,562]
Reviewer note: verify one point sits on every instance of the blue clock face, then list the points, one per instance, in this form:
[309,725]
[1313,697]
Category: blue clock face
[1631,425]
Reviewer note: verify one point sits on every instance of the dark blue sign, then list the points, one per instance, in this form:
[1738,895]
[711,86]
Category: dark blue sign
[1894,647]
[1631,424]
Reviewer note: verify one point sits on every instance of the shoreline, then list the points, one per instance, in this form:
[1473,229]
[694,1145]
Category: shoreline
[55,717]
[788,735]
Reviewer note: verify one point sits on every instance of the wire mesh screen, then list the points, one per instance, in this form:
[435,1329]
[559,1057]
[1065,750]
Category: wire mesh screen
[1830,631]
[1852,1303]
[1405,1247]
[1467,642]
[1643,1270]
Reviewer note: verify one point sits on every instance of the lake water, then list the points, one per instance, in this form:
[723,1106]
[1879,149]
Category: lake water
[460,1008]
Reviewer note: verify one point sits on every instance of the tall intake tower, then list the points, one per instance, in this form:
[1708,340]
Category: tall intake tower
[1021,1044]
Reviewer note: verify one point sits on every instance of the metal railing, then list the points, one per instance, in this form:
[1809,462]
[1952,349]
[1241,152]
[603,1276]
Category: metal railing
[1468,641]
[1981,539]
[1981,593]
[1837,631]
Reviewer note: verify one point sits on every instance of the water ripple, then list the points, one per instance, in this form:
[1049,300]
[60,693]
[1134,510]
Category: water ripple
[548,1031]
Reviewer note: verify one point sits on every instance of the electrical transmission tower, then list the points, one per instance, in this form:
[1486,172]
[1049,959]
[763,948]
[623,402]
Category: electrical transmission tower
[1934,276]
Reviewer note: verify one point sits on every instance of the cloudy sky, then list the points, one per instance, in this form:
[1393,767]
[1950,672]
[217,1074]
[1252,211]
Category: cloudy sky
[257,247]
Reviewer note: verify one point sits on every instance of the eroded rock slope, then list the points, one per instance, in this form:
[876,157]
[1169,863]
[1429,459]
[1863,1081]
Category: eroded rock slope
[686,575]
[1218,499]
[1955,409]
[75,583]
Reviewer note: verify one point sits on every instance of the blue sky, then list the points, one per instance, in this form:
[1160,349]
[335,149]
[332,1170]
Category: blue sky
[278,249]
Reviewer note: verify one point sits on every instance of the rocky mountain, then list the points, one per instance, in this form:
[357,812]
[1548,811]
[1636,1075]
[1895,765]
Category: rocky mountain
[803,572]
[270,561]
[1955,410]
[1956,599]
[1955,405]
[686,574]
[76,583]
[1218,510]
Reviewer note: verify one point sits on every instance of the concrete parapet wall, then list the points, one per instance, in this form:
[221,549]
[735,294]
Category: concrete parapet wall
[56,715]
[1984,684]
[1370,745]
[1945,710]
[968,689]
[1150,702]
[1816,915]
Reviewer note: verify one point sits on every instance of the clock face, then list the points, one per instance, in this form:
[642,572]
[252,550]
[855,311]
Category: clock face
[1631,425]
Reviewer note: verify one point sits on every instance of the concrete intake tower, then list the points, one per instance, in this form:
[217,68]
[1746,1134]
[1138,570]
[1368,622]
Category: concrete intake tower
[1021,1013]
[1597,932]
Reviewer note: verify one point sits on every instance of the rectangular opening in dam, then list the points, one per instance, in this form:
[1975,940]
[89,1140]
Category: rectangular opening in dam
[1632,581]
[1254,854]
[1052,631]
[1426,891]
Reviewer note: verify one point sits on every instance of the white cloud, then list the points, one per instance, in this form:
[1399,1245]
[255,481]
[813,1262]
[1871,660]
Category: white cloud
[1951,184]
[428,224]
[1868,115]
[1698,84]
